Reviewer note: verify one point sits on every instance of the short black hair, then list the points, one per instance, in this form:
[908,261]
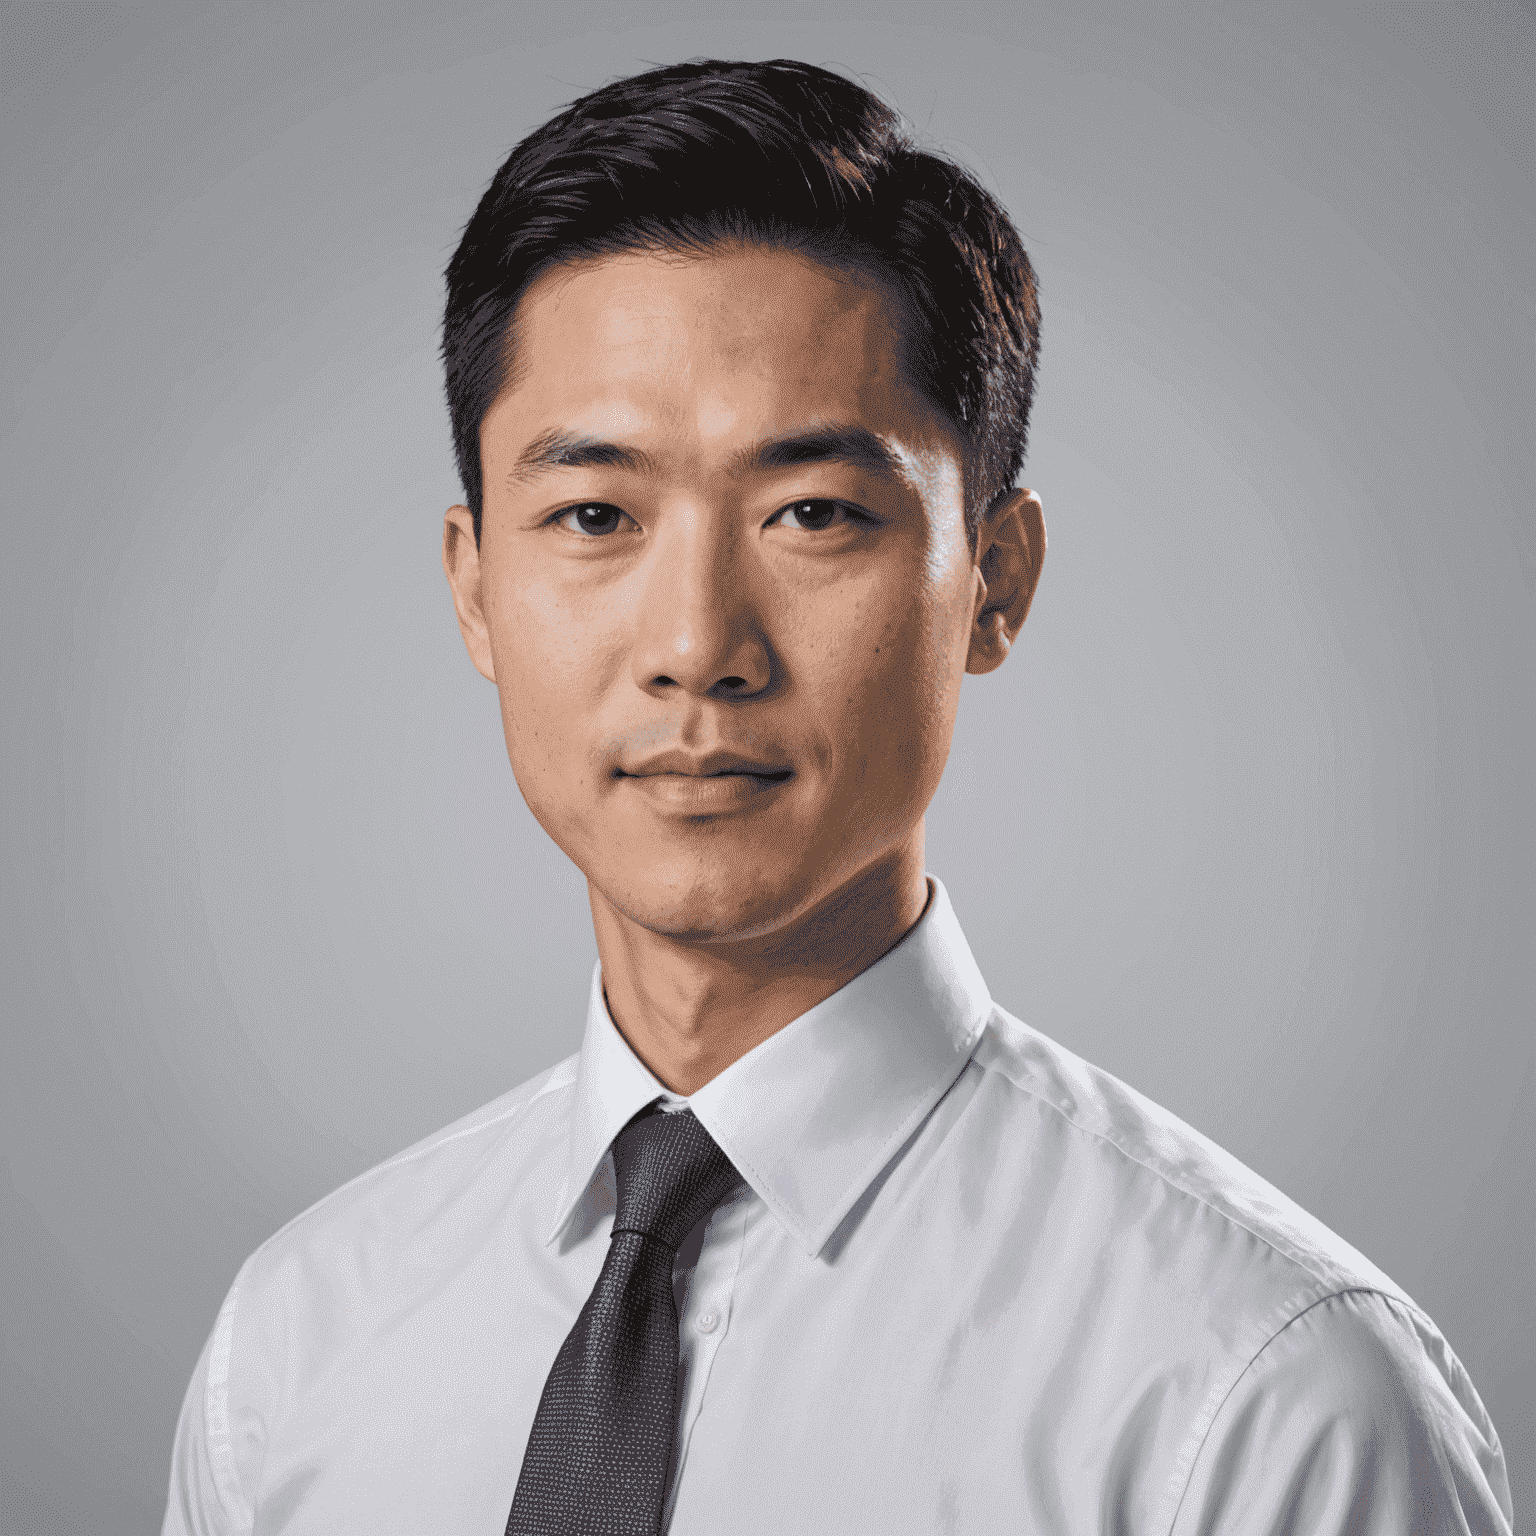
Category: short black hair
[691,157]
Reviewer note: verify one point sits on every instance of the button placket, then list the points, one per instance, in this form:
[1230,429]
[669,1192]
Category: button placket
[711,1293]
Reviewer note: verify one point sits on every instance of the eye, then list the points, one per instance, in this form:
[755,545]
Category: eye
[594,518]
[814,516]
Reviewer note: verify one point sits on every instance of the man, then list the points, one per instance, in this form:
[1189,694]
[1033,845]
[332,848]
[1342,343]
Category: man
[811,1235]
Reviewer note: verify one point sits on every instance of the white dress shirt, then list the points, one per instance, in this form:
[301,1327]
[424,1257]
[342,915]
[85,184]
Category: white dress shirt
[971,1283]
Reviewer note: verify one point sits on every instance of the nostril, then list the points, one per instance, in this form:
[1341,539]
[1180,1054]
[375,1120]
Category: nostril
[735,684]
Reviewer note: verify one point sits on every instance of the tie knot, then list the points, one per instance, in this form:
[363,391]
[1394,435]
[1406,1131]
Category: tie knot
[670,1176]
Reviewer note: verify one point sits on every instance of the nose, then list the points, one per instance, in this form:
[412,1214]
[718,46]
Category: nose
[698,629]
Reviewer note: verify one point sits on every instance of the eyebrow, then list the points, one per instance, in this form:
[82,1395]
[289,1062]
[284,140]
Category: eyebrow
[855,445]
[559,449]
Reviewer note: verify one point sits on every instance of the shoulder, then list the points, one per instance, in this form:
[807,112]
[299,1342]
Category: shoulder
[318,1285]
[1132,1136]
[323,1281]
[1355,1416]
[1318,1376]
[494,1146]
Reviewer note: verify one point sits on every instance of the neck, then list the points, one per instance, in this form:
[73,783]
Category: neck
[689,1009]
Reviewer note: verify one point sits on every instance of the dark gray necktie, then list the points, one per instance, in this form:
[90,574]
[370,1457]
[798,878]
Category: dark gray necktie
[600,1449]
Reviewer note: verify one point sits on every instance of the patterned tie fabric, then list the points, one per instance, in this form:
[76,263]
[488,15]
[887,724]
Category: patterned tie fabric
[600,1450]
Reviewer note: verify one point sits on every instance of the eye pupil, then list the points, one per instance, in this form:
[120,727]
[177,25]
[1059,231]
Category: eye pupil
[815,514]
[597,518]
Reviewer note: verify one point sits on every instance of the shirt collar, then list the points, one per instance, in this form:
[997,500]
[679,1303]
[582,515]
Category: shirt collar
[811,1115]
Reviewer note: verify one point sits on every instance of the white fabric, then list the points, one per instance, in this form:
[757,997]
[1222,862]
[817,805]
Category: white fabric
[972,1284]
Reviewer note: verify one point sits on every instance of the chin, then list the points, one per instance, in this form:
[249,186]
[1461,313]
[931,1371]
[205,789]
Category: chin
[712,905]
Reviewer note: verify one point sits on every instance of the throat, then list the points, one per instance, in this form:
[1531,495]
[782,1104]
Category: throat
[689,1009]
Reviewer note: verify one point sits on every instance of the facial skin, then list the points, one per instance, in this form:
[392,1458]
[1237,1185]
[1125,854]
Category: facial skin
[728,686]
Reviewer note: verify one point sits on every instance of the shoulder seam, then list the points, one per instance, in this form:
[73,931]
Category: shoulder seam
[421,1149]
[1172,1183]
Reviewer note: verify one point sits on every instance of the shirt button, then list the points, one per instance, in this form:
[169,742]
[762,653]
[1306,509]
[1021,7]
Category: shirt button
[708,1322]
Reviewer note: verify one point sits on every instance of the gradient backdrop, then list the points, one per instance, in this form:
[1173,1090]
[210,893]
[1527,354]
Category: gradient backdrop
[1246,819]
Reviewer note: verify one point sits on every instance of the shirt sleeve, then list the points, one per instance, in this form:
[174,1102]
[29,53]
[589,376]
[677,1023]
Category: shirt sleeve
[217,1436]
[1354,1420]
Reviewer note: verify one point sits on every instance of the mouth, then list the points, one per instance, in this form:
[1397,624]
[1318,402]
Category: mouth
[758,775]
[703,785]
[710,765]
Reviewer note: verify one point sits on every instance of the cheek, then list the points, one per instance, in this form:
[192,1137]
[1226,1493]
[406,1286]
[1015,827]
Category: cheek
[551,667]
[904,662]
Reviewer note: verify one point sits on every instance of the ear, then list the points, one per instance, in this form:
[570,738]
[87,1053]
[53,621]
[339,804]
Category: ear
[461,561]
[1010,549]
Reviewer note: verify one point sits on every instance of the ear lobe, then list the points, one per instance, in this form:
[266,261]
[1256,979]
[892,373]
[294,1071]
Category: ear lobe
[461,564]
[1010,550]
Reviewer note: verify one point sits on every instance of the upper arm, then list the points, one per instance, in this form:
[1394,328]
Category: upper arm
[1355,1418]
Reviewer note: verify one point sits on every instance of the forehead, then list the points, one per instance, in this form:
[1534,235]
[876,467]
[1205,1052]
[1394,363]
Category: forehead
[735,342]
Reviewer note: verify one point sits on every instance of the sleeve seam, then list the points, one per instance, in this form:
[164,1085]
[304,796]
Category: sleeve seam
[221,1451]
[1201,1431]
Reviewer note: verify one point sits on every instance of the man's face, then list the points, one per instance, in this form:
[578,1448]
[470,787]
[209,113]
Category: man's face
[724,586]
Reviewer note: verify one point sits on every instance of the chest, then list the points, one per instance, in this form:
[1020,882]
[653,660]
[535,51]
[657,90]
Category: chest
[917,1379]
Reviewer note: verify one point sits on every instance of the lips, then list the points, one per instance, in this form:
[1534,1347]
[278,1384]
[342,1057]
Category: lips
[705,765]
[697,787]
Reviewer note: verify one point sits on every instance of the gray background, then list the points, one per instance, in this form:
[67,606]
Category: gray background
[1246,819]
